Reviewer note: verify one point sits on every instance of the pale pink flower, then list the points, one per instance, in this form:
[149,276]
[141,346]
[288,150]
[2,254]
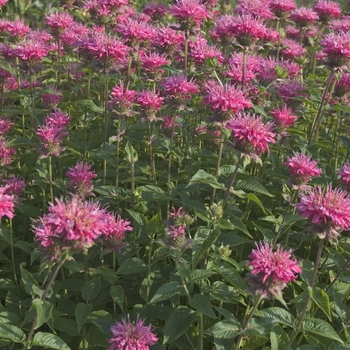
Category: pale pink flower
[5,126]
[292,49]
[271,270]
[344,174]
[250,134]
[80,179]
[177,87]
[6,153]
[336,47]
[282,8]
[302,169]
[342,87]
[6,203]
[254,8]
[340,25]
[129,336]
[327,209]
[283,117]
[168,123]
[59,22]
[3,2]
[304,16]
[327,10]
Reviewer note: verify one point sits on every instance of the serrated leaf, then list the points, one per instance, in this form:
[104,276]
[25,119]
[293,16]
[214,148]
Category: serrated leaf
[278,315]
[132,265]
[28,281]
[201,304]
[205,178]
[321,298]
[253,186]
[8,317]
[166,291]
[255,199]
[278,338]
[12,333]
[131,153]
[240,225]
[90,105]
[117,293]
[91,290]
[321,328]
[197,275]
[178,323]
[82,312]
[43,310]
[226,329]
[49,341]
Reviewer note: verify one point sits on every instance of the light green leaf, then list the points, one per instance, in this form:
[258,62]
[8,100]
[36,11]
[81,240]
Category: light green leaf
[82,312]
[226,329]
[117,293]
[278,338]
[29,281]
[201,303]
[166,291]
[321,328]
[239,225]
[178,323]
[131,153]
[49,341]
[133,265]
[278,315]
[205,178]
[43,310]
[253,186]
[321,298]
[12,333]
[255,199]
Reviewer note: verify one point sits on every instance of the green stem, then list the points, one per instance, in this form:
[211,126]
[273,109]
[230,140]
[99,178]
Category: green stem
[12,254]
[244,65]
[186,51]
[170,155]
[151,155]
[105,122]
[50,179]
[239,162]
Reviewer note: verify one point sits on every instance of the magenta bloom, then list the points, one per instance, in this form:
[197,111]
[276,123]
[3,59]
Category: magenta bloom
[154,10]
[200,50]
[292,49]
[290,91]
[327,10]
[190,13]
[328,210]
[6,153]
[301,169]
[177,87]
[17,29]
[80,179]
[344,173]
[167,39]
[255,8]
[150,103]
[31,51]
[236,67]
[5,126]
[14,186]
[128,336]
[250,134]
[59,22]
[6,203]
[340,25]
[121,99]
[52,98]
[282,8]
[3,2]
[304,16]
[336,47]
[283,117]
[136,32]
[113,238]
[271,271]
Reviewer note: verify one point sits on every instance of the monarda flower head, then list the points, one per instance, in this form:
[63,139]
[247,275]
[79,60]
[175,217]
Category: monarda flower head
[271,270]
[327,10]
[59,22]
[7,204]
[5,126]
[327,209]
[177,87]
[282,8]
[303,17]
[255,8]
[301,169]
[283,118]
[149,103]
[6,153]
[344,174]
[129,336]
[250,134]
[80,179]
[121,99]
[336,47]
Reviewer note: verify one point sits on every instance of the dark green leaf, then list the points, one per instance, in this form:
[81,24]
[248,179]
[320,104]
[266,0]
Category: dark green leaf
[43,310]
[321,328]
[253,186]
[166,291]
[201,304]
[321,298]
[82,311]
[91,290]
[132,265]
[117,293]
[29,281]
[12,333]
[226,329]
[178,323]
[49,341]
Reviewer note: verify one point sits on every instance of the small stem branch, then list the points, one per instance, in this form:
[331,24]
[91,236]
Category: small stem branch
[239,162]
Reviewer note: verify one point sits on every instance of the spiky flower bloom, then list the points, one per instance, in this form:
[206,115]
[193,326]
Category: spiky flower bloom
[52,98]
[340,25]
[114,237]
[155,11]
[200,50]
[59,22]
[31,52]
[136,32]
[328,210]
[283,118]
[6,203]
[342,87]
[167,39]
[15,186]
[129,336]
[250,134]
[80,179]
[3,2]
[254,8]
[5,126]
[224,100]
[282,8]
[221,30]
[271,270]
[304,16]
[327,10]
[292,49]
[301,169]
[6,153]
[151,62]
[17,29]
[344,174]
[336,47]
[150,103]
[290,91]
[177,87]
[247,30]
[190,13]
[72,225]
[121,99]
[235,68]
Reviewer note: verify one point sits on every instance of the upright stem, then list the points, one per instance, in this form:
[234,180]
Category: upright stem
[12,254]
[244,65]
[296,329]
[170,152]
[117,152]
[186,51]
[240,158]
[50,179]
[104,136]
[151,156]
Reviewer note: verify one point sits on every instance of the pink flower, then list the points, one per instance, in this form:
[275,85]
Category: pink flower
[3,2]
[128,336]
[225,100]
[31,51]
[301,169]
[113,238]
[236,67]
[344,174]
[80,179]
[327,10]
[304,16]
[5,153]
[154,10]
[167,39]
[291,49]
[52,98]
[177,87]
[121,99]
[290,91]
[340,25]
[17,29]
[6,203]
[283,117]
[59,22]
[5,126]
[136,32]
[282,8]
[58,118]
[271,271]
[328,210]
[14,186]
[222,29]
[342,87]
[151,61]
[72,225]
[149,102]
[168,123]
[250,134]
[254,8]
[200,50]
[190,13]
[336,47]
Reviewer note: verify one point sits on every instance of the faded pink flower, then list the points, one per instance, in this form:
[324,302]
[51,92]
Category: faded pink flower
[14,185]
[149,102]
[129,336]
[344,174]
[292,49]
[340,25]
[254,8]
[282,8]
[59,22]
[250,134]
[342,87]
[271,270]
[168,123]
[327,10]
[52,98]
[6,203]
[283,118]
[301,169]
[80,179]
[154,10]
[327,209]
[177,87]
[304,16]
[6,153]
[121,99]
[290,91]
[222,29]
[336,47]
[5,126]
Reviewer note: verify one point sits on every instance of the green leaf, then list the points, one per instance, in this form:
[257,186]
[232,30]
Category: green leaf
[12,333]
[82,312]
[166,291]
[8,317]
[255,199]
[201,303]
[240,225]
[321,328]
[278,315]
[204,246]
[131,153]
[133,265]
[49,341]
[321,298]
[117,293]
[29,281]
[89,104]
[253,186]
[205,178]
[96,337]
[278,338]
[43,310]
[178,323]
[91,291]
[226,329]
[198,275]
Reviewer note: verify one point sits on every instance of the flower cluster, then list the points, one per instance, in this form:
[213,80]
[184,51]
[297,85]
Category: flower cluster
[80,179]
[6,203]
